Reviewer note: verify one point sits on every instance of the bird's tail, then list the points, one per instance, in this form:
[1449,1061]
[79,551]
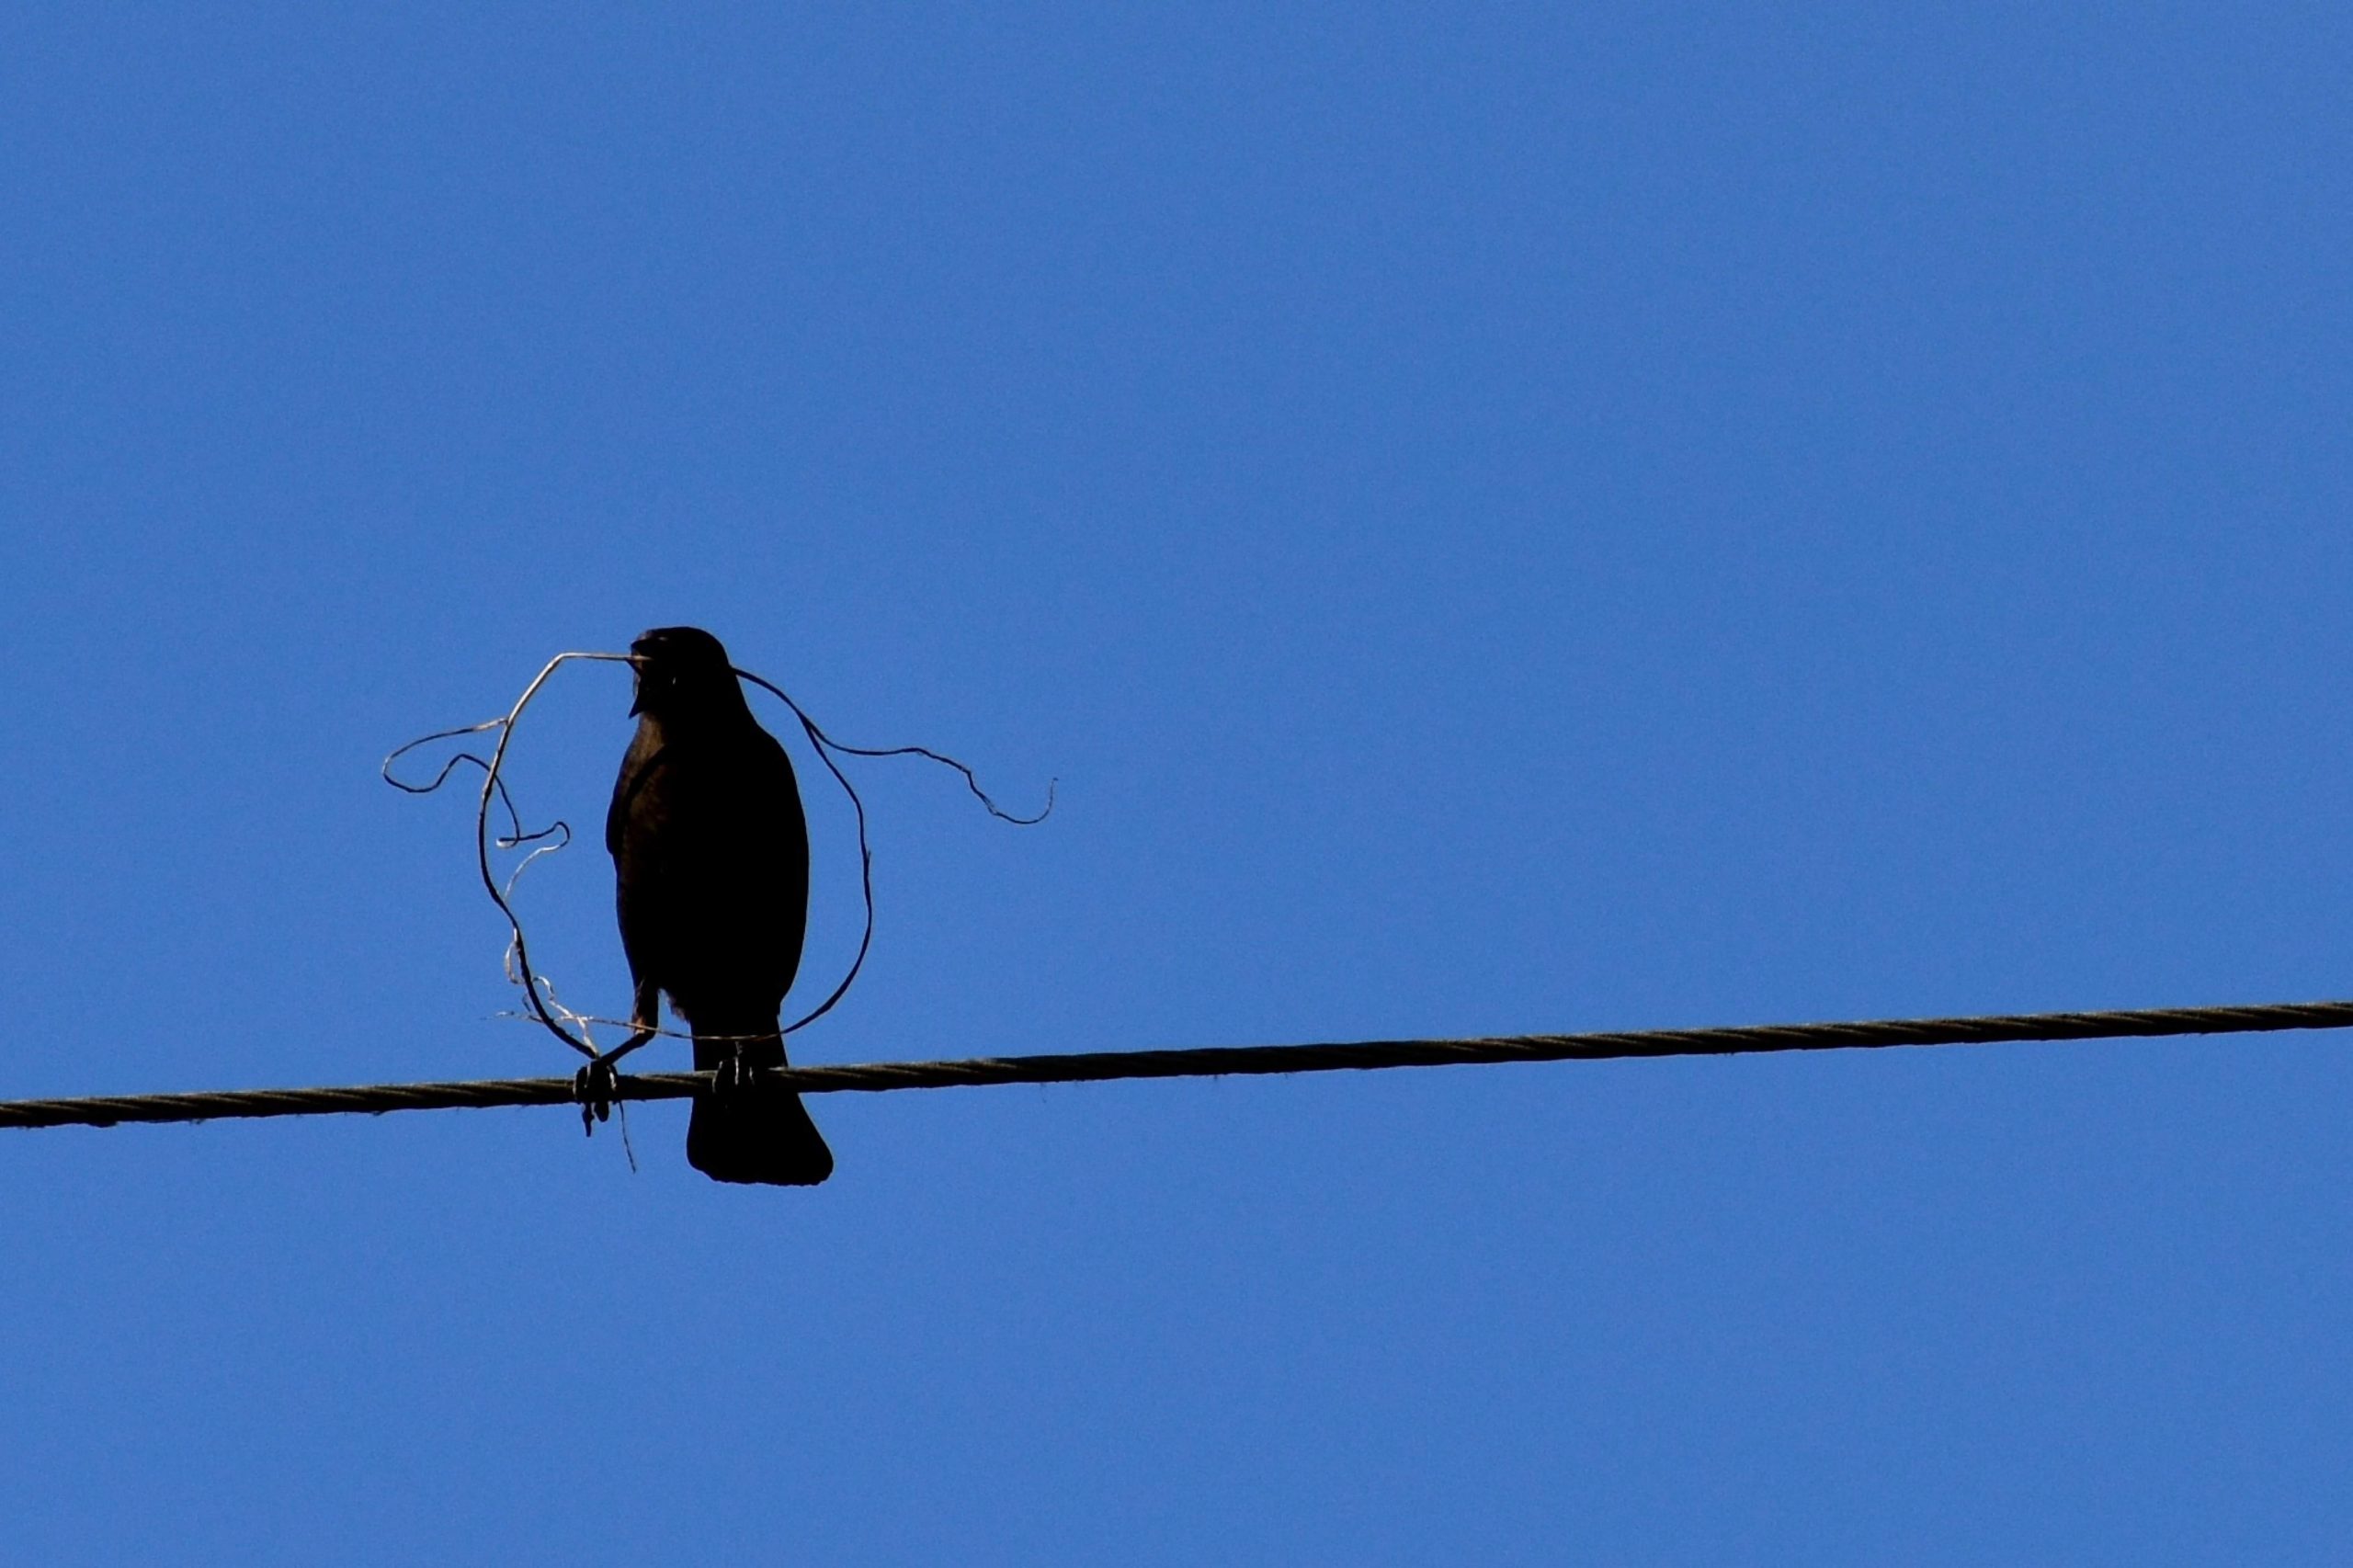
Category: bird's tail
[752,1133]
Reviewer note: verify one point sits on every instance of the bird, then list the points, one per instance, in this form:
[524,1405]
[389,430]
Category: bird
[711,870]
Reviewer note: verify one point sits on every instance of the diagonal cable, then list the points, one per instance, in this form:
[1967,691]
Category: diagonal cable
[1097,1067]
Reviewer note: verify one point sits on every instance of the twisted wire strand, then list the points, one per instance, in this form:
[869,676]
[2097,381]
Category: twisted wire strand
[538,990]
[1095,1067]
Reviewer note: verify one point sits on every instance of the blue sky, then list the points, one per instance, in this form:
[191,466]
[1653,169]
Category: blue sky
[1499,520]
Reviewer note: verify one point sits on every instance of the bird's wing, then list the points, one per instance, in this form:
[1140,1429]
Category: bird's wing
[639,764]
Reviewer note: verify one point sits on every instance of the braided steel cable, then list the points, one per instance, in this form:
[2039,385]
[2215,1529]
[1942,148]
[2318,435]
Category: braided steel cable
[879,1077]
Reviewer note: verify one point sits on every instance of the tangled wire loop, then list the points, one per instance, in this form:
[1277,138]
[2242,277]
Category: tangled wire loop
[595,1085]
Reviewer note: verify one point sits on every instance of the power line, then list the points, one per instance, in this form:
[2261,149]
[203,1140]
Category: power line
[879,1077]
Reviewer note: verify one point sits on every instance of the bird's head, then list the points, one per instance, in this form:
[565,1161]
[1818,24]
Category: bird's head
[682,670]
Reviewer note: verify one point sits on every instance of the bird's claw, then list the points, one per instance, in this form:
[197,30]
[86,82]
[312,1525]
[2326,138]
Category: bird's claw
[732,1073]
[595,1086]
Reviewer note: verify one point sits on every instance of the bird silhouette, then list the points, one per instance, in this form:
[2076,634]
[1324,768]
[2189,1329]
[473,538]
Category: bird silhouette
[711,861]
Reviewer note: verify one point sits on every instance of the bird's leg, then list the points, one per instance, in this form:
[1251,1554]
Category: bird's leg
[595,1085]
[645,1019]
[732,1075]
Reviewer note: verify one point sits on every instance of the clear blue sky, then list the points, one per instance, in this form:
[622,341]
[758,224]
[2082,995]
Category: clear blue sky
[1500,518]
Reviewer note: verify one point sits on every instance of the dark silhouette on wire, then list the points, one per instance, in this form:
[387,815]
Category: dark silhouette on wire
[710,872]
[711,855]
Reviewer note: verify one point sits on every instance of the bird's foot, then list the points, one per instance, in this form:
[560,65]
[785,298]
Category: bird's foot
[595,1086]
